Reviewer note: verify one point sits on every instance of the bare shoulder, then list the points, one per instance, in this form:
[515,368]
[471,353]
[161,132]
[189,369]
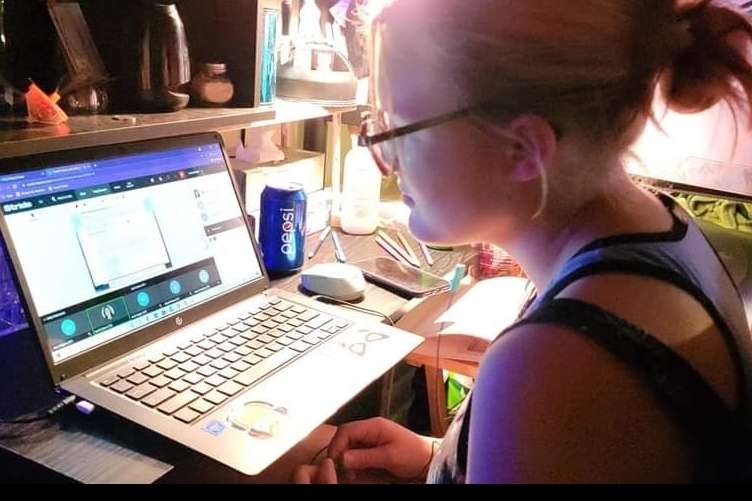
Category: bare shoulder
[557,408]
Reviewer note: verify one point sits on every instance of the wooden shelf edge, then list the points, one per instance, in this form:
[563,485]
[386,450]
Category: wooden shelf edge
[18,138]
[292,111]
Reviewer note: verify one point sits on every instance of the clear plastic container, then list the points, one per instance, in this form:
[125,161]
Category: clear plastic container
[211,85]
[309,32]
[361,191]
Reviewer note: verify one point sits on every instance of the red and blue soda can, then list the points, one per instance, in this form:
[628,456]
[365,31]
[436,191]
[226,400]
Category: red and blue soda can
[282,227]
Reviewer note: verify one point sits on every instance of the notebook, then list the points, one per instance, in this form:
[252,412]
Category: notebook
[144,284]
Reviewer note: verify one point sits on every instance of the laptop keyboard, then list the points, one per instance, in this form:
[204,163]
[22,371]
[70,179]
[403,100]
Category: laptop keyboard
[190,379]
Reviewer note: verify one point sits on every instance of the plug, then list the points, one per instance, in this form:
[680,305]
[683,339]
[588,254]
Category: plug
[85,407]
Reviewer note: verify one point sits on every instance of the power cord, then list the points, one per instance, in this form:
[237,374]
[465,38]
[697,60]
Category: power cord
[42,414]
[9,428]
[341,302]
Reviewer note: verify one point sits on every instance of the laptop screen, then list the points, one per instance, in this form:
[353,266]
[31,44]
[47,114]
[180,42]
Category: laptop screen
[112,239]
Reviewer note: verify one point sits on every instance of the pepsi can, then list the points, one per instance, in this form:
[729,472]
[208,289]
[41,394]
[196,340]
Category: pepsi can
[282,227]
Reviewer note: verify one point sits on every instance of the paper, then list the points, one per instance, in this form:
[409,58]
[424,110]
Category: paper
[486,308]
[460,327]
[260,148]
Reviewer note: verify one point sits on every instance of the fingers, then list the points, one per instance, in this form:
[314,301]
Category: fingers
[324,473]
[356,434]
[376,457]
[304,474]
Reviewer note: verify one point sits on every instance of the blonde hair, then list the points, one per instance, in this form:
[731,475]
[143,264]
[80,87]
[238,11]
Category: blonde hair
[591,67]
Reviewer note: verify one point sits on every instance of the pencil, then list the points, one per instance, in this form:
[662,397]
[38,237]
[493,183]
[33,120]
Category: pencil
[413,258]
[320,241]
[391,250]
[426,253]
[398,248]
[338,252]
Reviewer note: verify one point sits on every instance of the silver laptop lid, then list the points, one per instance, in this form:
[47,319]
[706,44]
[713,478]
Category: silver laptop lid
[118,245]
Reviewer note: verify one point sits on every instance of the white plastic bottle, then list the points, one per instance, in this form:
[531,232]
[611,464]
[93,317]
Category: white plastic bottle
[309,32]
[361,191]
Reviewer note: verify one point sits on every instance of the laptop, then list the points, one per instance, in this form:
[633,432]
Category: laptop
[145,286]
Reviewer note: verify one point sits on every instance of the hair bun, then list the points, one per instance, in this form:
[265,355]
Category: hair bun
[708,58]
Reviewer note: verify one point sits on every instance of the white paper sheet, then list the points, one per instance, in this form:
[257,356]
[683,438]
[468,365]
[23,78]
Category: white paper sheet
[486,308]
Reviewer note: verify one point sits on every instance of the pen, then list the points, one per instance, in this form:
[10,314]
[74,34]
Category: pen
[426,253]
[338,252]
[398,248]
[413,258]
[390,250]
[320,241]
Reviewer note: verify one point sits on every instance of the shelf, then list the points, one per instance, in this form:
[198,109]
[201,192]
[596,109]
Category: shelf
[17,137]
[293,111]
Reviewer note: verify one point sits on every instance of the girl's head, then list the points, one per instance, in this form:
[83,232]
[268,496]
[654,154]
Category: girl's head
[538,96]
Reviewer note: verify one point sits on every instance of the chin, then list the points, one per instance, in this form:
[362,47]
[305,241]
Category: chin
[423,231]
[431,231]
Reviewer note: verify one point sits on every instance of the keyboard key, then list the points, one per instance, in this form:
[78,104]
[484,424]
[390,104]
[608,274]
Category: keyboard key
[201,406]
[186,415]
[179,386]
[265,367]
[138,378]
[140,391]
[215,397]
[193,377]
[178,401]
[158,397]
[229,388]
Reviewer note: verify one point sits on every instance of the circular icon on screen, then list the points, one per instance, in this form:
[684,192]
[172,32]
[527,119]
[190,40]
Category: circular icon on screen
[203,276]
[68,327]
[143,299]
[175,287]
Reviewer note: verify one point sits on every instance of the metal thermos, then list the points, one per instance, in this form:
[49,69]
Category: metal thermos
[164,72]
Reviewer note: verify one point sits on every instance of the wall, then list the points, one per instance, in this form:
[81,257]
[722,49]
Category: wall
[702,150]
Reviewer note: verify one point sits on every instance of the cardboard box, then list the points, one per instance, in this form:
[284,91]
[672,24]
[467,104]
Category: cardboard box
[306,167]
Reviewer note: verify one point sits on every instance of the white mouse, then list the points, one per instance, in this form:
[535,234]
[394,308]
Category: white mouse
[337,280]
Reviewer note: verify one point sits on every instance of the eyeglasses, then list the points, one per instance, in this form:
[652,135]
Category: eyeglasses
[375,134]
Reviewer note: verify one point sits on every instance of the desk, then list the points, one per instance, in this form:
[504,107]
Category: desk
[102,448]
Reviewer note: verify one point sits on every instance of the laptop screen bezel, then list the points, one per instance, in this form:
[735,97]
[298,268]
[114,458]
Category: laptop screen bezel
[158,329]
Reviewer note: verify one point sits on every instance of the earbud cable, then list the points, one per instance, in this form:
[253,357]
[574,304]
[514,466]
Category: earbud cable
[460,270]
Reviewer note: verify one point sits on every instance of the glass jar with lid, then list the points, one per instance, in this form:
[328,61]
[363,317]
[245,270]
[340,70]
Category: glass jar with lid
[211,85]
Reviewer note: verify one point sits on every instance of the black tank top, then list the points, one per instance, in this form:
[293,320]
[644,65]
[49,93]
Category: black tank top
[681,256]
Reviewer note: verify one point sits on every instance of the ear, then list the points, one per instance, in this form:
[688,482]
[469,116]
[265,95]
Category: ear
[531,145]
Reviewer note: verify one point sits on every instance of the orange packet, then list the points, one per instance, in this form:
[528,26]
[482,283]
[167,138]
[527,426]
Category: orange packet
[43,108]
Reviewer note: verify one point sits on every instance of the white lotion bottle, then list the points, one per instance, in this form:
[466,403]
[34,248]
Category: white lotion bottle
[361,191]
[309,32]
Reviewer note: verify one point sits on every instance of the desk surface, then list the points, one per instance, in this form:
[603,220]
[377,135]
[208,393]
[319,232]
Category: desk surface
[102,448]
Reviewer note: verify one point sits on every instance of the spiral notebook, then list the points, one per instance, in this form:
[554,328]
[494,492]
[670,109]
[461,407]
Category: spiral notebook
[146,290]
